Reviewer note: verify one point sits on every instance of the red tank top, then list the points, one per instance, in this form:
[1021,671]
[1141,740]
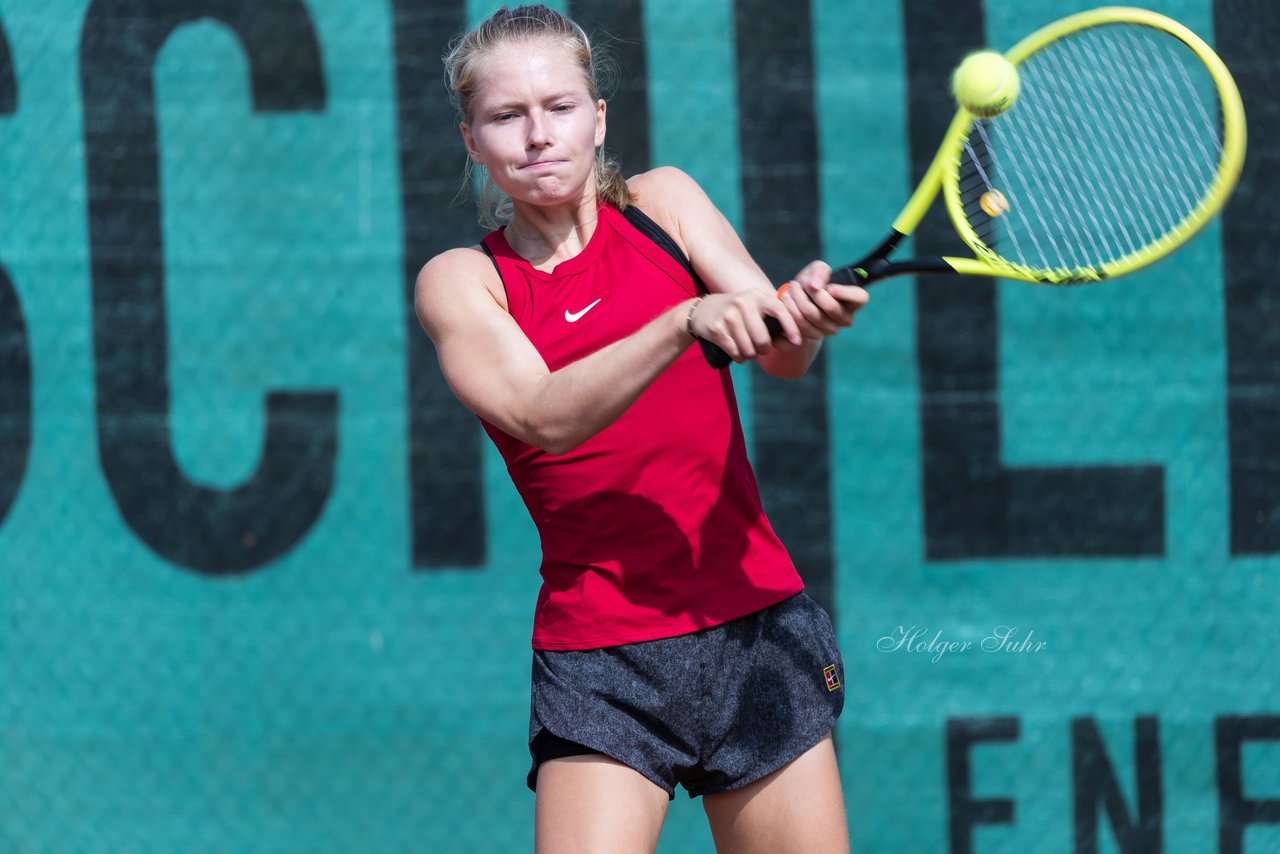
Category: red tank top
[653,527]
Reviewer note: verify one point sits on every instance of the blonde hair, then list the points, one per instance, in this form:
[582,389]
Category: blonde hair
[463,62]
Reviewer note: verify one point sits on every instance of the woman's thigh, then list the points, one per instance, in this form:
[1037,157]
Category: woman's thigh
[588,804]
[798,808]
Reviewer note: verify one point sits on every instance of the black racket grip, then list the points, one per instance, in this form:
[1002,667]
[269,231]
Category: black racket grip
[854,274]
[718,358]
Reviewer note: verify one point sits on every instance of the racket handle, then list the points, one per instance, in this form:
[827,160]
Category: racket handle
[854,274]
[718,358]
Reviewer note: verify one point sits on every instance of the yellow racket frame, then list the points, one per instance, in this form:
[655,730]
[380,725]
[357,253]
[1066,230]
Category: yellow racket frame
[942,172]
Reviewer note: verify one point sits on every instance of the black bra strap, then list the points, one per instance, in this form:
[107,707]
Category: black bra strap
[650,229]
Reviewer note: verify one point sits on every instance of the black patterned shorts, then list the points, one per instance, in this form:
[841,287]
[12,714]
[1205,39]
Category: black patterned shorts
[712,710]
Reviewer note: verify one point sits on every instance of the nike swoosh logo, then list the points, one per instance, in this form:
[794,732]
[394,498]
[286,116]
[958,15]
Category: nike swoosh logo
[576,316]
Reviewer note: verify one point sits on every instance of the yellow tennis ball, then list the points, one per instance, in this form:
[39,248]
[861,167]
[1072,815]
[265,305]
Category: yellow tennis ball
[986,84]
[994,203]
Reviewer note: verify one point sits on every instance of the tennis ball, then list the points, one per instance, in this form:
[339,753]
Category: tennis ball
[986,84]
[993,203]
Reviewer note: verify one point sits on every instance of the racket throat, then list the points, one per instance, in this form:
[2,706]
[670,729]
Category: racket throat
[867,269]
[876,265]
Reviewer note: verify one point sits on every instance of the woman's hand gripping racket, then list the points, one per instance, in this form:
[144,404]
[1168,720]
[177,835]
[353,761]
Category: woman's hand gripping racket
[1126,137]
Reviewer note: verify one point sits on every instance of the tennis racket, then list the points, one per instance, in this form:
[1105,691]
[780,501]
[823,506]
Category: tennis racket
[1127,137]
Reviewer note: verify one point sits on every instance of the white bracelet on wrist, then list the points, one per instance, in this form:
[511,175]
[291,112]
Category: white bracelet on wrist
[688,320]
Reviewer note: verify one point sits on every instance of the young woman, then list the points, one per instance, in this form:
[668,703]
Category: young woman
[672,640]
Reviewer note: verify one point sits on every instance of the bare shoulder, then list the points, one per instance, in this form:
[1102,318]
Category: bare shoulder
[675,201]
[455,282]
[464,261]
[664,187]
[710,242]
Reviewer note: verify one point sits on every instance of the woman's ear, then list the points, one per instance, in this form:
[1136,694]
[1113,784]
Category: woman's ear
[600,123]
[469,140]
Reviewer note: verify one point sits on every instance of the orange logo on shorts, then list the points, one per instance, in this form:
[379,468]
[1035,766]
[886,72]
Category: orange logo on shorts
[833,681]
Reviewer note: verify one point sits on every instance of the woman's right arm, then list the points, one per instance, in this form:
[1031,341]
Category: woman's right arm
[496,372]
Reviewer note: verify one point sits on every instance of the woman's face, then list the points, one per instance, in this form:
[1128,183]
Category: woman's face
[534,124]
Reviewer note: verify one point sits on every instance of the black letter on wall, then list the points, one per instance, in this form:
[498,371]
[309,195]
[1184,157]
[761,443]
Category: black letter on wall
[975,506]
[15,348]
[446,486]
[778,139]
[209,530]
[965,811]
[617,26]
[15,395]
[1246,32]
[8,78]
[1235,811]
[445,475]
[1094,783]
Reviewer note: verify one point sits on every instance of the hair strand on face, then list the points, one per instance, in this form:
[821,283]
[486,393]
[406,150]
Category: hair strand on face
[464,61]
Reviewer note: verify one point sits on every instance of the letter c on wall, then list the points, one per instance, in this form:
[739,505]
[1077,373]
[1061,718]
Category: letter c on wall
[211,531]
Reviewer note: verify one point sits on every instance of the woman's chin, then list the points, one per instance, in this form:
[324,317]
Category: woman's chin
[546,194]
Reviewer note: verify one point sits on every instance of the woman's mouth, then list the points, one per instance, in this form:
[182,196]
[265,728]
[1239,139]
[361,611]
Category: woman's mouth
[539,165]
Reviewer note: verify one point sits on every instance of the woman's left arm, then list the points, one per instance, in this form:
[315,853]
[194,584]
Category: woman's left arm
[818,308]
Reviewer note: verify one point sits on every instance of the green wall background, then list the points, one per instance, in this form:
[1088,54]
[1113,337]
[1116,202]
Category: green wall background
[340,699]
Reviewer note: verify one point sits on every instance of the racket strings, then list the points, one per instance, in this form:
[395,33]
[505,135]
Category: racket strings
[1120,178]
[1122,163]
[1046,188]
[1115,140]
[1184,144]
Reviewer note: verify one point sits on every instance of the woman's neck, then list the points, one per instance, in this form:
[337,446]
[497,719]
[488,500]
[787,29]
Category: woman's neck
[547,236]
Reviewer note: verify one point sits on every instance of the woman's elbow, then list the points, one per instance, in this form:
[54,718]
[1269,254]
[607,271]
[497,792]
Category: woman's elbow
[554,439]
